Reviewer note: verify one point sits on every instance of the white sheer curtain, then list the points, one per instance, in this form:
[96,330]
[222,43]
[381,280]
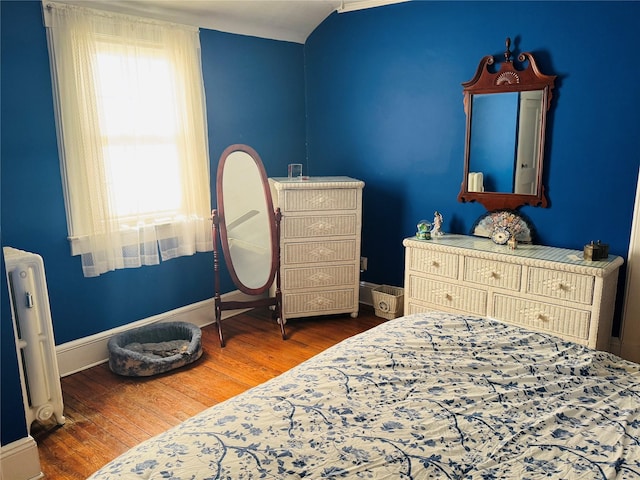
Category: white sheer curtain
[131,120]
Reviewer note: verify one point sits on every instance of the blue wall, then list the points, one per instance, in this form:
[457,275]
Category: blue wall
[384,104]
[378,92]
[255,95]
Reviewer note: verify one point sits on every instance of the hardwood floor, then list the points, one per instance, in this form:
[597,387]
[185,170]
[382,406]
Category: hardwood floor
[107,414]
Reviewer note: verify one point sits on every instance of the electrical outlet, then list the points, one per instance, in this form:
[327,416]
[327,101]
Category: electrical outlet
[363,264]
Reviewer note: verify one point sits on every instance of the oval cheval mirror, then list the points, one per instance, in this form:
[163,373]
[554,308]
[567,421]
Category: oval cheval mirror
[249,233]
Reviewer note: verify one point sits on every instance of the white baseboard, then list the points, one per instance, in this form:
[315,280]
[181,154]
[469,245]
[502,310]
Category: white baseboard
[89,351]
[615,345]
[19,460]
[366,297]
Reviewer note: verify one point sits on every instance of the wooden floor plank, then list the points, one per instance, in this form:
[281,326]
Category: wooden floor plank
[107,414]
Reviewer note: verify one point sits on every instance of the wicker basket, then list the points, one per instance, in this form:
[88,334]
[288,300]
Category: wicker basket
[388,302]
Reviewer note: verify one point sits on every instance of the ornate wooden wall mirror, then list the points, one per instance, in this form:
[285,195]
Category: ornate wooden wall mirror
[505,137]
[249,231]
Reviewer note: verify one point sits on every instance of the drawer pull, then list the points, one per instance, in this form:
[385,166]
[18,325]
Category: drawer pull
[434,263]
[562,287]
[495,275]
[543,317]
[448,297]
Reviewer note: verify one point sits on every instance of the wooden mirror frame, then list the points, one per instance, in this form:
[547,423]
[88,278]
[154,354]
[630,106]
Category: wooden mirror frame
[219,231]
[507,79]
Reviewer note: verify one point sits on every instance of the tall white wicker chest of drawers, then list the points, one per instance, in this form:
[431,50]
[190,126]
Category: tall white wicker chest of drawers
[541,288]
[319,244]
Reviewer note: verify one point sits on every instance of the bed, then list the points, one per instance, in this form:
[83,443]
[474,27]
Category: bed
[431,395]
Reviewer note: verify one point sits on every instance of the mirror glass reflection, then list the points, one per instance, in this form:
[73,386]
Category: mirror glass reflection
[247,220]
[505,137]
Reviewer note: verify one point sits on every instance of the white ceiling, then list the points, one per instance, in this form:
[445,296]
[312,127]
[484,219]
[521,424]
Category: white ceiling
[290,20]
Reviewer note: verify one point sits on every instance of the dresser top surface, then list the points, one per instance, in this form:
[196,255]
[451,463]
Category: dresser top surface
[451,242]
[316,182]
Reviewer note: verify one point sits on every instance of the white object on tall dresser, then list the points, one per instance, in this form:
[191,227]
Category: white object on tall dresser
[541,288]
[320,244]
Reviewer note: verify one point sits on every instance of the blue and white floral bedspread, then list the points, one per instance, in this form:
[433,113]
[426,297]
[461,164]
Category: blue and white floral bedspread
[424,396]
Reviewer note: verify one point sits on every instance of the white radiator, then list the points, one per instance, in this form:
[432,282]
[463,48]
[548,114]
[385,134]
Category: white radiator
[33,330]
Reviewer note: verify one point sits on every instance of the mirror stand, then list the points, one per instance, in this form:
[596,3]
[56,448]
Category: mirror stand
[248,231]
[275,302]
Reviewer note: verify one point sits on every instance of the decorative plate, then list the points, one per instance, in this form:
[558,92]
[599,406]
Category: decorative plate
[500,235]
[495,223]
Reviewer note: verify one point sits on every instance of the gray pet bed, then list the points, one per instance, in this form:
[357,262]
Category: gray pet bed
[154,349]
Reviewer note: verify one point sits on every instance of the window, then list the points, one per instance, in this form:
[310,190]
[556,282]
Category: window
[138,110]
[132,135]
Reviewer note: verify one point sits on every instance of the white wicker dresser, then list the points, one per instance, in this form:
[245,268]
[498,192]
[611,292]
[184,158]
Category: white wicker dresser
[538,287]
[320,244]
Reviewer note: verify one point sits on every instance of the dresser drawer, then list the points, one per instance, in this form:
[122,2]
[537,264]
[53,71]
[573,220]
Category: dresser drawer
[572,287]
[492,274]
[434,263]
[313,277]
[563,321]
[318,302]
[294,227]
[447,295]
[315,252]
[308,200]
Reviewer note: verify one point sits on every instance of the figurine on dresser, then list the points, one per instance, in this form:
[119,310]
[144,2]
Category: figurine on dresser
[424,230]
[437,224]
